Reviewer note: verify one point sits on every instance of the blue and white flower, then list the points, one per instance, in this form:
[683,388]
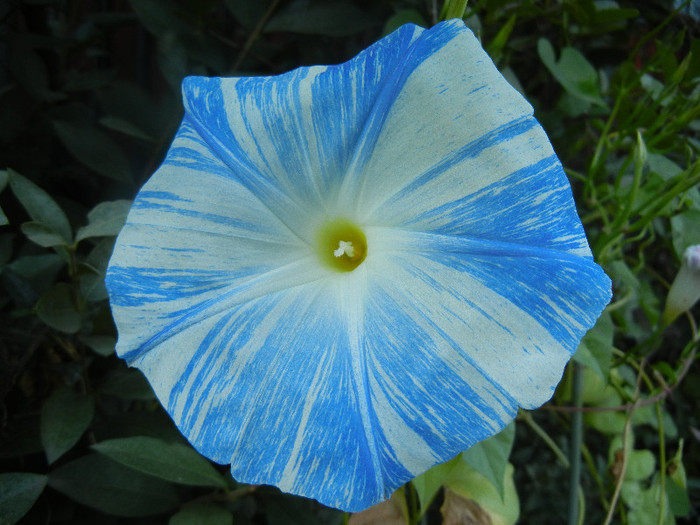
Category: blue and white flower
[343,275]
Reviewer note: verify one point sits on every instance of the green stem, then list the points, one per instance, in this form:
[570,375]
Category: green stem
[454,9]
[662,466]
[527,418]
[576,443]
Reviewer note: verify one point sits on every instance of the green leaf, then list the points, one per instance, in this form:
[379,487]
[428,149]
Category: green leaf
[155,423]
[38,273]
[105,219]
[57,309]
[100,344]
[100,483]
[64,418]
[92,270]
[640,465]
[572,71]
[490,457]
[595,350]
[320,18]
[469,484]
[202,514]
[18,493]
[93,148]
[127,384]
[428,484]
[644,504]
[663,166]
[29,70]
[124,126]
[610,421]
[43,235]
[169,461]
[39,205]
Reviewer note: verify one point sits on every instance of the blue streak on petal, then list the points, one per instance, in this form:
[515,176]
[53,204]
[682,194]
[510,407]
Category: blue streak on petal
[135,287]
[419,50]
[272,393]
[473,149]
[556,288]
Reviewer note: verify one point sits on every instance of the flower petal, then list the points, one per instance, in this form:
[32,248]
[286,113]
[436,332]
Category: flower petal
[289,138]
[516,312]
[261,385]
[195,242]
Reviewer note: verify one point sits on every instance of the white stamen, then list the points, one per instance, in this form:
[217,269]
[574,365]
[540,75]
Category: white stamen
[344,248]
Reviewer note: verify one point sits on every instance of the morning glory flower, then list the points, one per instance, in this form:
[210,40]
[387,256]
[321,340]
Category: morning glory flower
[344,275]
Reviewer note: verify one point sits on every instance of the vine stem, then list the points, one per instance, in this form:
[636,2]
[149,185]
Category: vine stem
[576,443]
[625,455]
[527,417]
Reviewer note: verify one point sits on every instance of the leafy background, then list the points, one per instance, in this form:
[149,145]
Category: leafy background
[89,101]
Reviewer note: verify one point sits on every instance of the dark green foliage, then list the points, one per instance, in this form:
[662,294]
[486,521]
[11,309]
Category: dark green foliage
[89,101]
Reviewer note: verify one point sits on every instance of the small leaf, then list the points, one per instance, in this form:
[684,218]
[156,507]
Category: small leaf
[100,344]
[39,205]
[105,219]
[29,70]
[64,418]
[202,514]
[469,484]
[169,461]
[43,235]
[490,457]
[640,465]
[124,126]
[428,484]
[18,493]
[572,71]
[595,350]
[93,148]
[57,309]
[105,485]
[127,384]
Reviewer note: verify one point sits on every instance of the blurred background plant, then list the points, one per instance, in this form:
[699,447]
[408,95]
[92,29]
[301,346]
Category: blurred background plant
[89,101]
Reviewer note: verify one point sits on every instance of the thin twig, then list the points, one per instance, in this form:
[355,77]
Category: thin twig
[625,434]
[254,34]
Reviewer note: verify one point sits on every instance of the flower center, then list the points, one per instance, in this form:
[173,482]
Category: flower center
[341,245]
